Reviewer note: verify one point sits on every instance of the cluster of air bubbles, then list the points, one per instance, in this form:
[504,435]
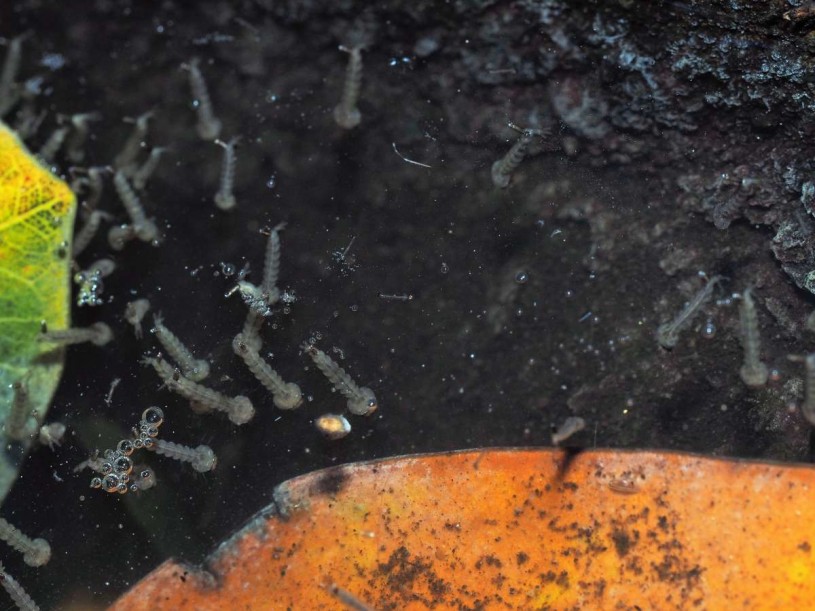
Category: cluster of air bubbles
[90,288]
[116,467]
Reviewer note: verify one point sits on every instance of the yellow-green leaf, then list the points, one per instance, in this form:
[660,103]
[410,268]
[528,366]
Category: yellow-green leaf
[36,224]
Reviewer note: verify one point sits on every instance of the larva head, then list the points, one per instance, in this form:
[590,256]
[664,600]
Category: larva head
[205,459]
[225,201]
[290,398]
[39,554]
[347,119]
[102,334]
[146,231]
[241,410]
[365,404]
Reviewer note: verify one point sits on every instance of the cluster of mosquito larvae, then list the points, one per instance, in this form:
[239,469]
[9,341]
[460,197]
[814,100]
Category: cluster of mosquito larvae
[20,597]
[503,168]
[209,126]
[90,282]
[239,409]
[346,113]
[668,333]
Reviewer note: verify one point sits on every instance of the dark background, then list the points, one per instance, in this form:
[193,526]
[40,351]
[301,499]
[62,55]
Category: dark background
[657,111]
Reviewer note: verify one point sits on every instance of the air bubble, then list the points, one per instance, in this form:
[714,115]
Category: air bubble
[709,330]
[444,268]
[270,184]
[521,277]
[153,415]
[227,269]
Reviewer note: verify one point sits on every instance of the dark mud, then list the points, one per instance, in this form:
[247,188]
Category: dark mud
[681,142]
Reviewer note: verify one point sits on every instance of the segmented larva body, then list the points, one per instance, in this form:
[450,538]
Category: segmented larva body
[361,400]
[51,147]
[201,458]
[143,174]
[119,235]
[225,198]
[808,407]
[285,395]
[570,426]
[753,372]
[144,228]
[209,127]
[333,426]
[98,334]
[135,312]
[20,597]
[503,168]
[36,552]
[239,408]
[346,113]
[125,161]
[17,418]
[9,93]
[668,333]
[251,329]
[94,181]
[271,266]
[74,146]
[85,235]
[193,368]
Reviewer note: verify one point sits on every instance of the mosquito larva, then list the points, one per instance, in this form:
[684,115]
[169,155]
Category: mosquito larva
[201,458]
[194,369]
[808,406]
[570,426]
[19,413]
[49,150]
[119,235]
[271,266]
[239,409]
[98,334]
[225,198]
[20,597]
[333,426]
[346,113]
[125,161]
[753,372]
[285,395]
[135,312]
[144,228]
[51,434]
[503,168]
[94,182]
[361,400]
[209,127]
[74,145]
[36,552]
[85,235]
[9,90]
[668,333]
[145,171]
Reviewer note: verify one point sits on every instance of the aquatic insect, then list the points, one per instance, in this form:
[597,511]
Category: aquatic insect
[15,425]
[753,372]
[271,266]
[36,552]
[119,235]
[144,229]
[503,168]
[239,409]
[285,395]
[225,198]
[808,406]
[80,123]
[668,333]
[125,161]
[209,127]
[98,334]
[201,458]
[570,426]
[134,314]
[333,426]
[193,368]
[20,597]
[361,400]
[85,235]
[346,113]
[145,171]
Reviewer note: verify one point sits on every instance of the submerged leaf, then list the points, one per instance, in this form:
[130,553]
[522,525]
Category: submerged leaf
[36,223]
